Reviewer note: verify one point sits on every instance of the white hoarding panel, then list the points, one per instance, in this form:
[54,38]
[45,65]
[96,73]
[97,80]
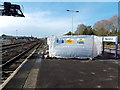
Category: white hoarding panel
[80,46]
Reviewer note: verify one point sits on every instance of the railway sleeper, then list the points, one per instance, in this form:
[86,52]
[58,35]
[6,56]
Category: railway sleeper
[8,69]
[6,74]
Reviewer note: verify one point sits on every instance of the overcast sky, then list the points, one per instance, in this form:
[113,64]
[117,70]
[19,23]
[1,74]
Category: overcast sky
[50,18]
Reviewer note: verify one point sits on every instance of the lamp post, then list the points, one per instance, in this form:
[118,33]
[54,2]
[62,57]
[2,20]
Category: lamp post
[72,17]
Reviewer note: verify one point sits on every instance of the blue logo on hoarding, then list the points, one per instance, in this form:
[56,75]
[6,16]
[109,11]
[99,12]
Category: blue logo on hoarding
[59,41]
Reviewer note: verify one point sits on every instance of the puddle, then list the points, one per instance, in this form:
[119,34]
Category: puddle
[99,86]
[104,70]
[111,76]
[109,79]
[39,60]
[93,73]
[81,80]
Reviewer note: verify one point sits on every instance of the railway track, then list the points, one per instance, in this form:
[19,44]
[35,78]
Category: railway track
[6,47]
[17,56]
[14,50]
[12,66]
[11,46]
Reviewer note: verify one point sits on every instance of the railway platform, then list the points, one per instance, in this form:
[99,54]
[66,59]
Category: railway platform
[58,73]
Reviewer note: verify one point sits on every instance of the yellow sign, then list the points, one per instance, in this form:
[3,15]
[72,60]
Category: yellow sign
[70,41]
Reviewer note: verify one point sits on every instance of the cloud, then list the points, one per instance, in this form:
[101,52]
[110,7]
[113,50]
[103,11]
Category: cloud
[38,24]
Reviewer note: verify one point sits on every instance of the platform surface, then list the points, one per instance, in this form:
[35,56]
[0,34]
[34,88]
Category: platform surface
[77,74]
[57,73]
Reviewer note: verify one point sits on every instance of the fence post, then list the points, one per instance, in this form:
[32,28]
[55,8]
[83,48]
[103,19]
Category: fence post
[103,45]
[116,47]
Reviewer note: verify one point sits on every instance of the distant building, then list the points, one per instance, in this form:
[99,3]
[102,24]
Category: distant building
[7,37]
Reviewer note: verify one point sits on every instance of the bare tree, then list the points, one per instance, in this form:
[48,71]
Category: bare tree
[109,25]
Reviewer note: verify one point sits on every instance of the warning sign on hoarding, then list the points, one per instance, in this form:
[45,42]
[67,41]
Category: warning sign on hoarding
[70,41]
[81,41]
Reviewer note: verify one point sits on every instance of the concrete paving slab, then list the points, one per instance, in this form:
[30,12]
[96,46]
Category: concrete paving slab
[32,78]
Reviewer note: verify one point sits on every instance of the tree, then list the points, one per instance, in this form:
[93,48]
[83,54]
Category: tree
[113,33]
[103,24]
[84,32]
[102,32]
[80,29]
[111,26]
[69,33]
[88,31]
[114,21]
